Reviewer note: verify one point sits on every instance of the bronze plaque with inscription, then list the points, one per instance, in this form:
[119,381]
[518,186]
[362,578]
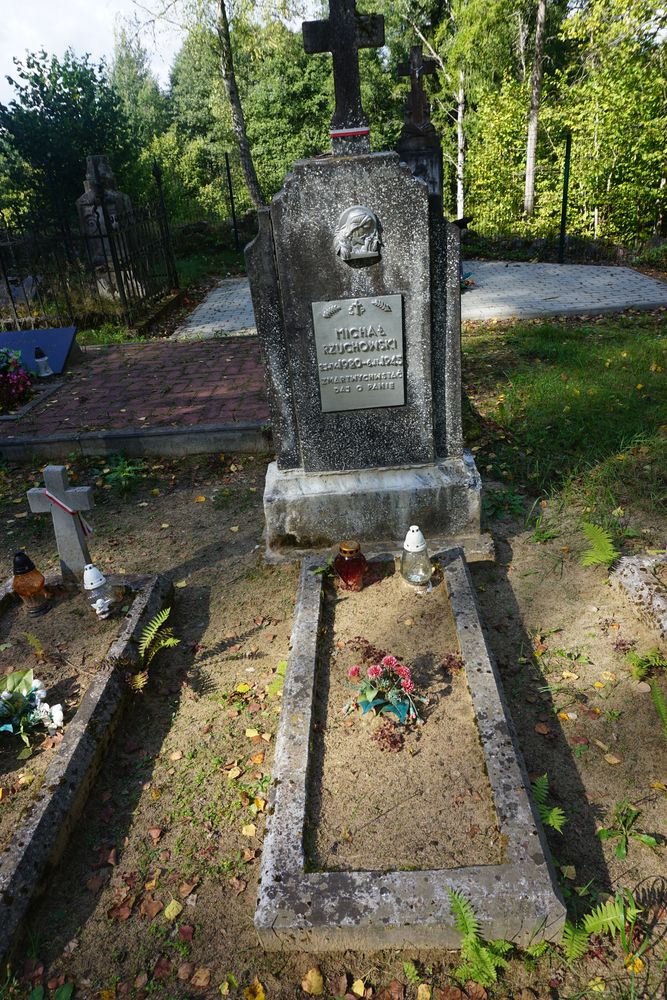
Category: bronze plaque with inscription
[359,346]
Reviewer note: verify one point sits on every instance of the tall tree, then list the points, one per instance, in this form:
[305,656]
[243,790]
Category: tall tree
[132,79]
[63,111]
[535,97]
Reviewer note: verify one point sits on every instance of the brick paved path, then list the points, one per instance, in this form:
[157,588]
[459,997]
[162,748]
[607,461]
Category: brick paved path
[159,384]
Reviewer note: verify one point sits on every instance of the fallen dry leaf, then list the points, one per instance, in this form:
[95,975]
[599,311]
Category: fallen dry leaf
[185,888]
[249,830]
[185,971]
[172,910]
[542,728]
[186,932]
[155,833]
[162,968]
[448,993]
[141,980]
[475,992]
[200,499]
[358,988]
[201,978]
[176,755]
[150,907]
[239,885]
[424,992]
[313,983]
[613,759]
[255,991]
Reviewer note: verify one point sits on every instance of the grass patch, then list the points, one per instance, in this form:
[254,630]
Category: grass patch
[107,333]
[209,264]
[574,406]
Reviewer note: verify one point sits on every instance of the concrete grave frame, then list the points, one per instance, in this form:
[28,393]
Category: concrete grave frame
[636,577]
[42,835]
[325,911]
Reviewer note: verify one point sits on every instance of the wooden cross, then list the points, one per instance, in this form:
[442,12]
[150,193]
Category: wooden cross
[343,35]
[64,502]
[417,109]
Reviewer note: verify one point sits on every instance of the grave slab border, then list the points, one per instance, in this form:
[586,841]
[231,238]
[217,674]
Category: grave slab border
[42,835]
[635,576]
[325,911]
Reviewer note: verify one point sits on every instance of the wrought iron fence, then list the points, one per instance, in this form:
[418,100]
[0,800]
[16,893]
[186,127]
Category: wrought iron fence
[53,272]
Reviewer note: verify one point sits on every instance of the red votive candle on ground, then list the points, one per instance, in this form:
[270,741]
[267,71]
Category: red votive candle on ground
[350,564]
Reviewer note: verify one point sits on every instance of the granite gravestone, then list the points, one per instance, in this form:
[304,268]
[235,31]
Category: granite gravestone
[101,206]
[355,284]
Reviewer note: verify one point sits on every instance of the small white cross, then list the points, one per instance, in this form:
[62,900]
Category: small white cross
[64,503]
[357,307]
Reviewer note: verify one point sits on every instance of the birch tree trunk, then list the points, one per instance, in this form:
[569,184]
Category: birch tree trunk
[460,146]
[238,119]
[535,95]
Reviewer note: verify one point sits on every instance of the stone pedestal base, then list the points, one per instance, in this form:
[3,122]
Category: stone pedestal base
[306,512]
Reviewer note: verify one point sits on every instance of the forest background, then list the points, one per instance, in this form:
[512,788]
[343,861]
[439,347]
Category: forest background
[596,69]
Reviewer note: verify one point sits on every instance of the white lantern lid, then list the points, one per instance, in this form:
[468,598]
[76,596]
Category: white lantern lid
[414,540]
[92,577]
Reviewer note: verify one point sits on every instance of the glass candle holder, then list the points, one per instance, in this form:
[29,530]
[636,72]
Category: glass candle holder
[415,561]
[99,592]
[28,584]
[350,565]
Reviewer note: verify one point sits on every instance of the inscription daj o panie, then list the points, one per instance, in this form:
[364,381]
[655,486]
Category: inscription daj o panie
[359,345]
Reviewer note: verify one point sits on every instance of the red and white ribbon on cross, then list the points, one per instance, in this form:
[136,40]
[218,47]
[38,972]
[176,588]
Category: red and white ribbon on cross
[85,527]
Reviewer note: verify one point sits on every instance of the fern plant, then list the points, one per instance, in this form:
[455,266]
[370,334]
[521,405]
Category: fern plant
[601,551]
[642,664]
[155,636]
[615,916]
[480,960]
[552,816]
[660,705]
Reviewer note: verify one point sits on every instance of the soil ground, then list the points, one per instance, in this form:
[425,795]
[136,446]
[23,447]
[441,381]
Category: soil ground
[63,648]
[176,814]
[368,801]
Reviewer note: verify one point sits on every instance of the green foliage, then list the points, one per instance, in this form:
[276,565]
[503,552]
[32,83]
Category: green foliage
[411,973]
[122,473]
[660,705]
[480,960]
[156,636]
[601,551]
[552,816]
[622,829]
[642,664]
[63,110]
[574,942]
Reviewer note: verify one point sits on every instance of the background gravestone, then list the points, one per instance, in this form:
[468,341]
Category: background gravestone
[355,285]
[100,187]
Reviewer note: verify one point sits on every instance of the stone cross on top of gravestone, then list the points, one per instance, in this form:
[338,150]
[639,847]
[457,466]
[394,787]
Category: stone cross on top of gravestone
[343,35]
[65,503]
[417,108]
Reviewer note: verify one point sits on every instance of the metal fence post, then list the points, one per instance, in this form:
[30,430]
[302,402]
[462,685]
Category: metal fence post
[164,226]
[231,201]
[563,211]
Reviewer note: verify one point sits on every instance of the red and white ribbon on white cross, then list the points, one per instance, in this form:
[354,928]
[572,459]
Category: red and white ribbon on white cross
[85,527]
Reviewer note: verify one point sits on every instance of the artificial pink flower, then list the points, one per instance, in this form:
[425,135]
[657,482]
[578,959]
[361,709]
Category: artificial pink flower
[374,672]
[353,672]
[390,661]
[403,672]
[407,685]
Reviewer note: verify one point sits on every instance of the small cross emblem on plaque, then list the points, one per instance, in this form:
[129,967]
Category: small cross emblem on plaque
[343,35]
[357,308]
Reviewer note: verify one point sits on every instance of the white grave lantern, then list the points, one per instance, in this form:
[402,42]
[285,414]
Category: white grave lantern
[415,562]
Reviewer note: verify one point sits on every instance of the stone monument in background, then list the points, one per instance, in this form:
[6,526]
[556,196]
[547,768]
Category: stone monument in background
[101,207]
[355,284]
[419,144]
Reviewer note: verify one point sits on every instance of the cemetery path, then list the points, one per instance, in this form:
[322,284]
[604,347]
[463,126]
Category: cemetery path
[155,385]
[501,290]
[208,377]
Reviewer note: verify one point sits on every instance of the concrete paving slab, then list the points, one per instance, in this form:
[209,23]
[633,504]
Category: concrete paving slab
[225,310]
[505,290]
[298,909]
[501,290]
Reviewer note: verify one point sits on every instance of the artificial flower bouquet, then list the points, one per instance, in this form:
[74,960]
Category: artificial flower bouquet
[386,688]
[23,705]
[15,383]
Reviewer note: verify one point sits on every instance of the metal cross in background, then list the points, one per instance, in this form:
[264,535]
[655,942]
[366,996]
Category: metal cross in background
[64,502]
[417,108]
[343,35]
